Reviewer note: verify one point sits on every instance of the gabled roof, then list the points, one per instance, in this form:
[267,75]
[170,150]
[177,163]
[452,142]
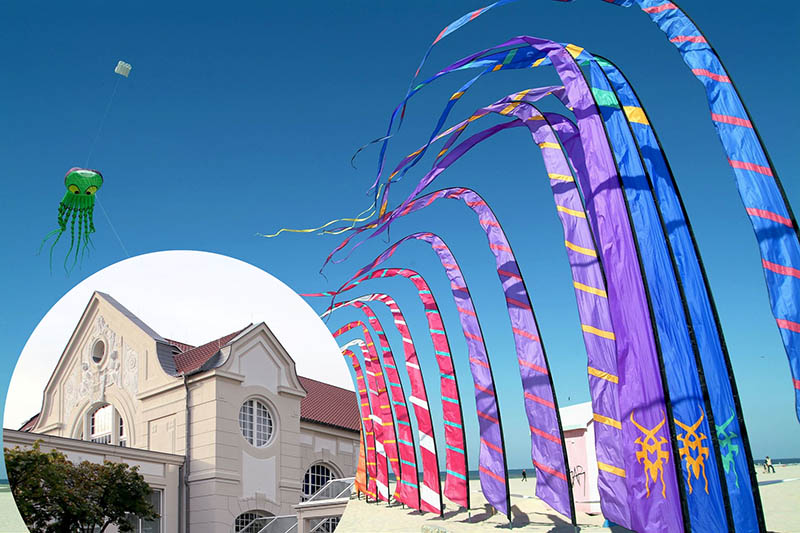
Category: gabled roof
[195,358]
[329,405]
[28,425]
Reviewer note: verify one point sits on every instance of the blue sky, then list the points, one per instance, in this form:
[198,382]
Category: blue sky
[238,121]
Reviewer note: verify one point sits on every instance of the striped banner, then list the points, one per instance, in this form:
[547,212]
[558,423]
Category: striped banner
[366,422]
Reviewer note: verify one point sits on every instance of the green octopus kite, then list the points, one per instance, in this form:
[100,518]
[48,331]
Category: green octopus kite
[78,204]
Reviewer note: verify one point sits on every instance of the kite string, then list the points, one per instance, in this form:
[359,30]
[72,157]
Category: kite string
[88,157]
[102,122]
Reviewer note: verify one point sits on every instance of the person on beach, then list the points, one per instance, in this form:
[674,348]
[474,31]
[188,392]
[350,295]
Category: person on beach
[768,463]
[524,475]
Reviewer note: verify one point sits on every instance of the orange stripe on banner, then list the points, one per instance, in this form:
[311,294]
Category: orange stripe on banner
[498,478]
[500,247]
[607,421]
[688,39]
[602,375]
[788,324]
[533,366]
[780,269]
[549,470]
[709,74]
[769,215]
[797,384]
[491,446]
[478,362]
[466,311]
[525,334]
[659,9]
[508,274]
[545,435]
[487,417]
[617,471]
[483,389]
[728,119]
[537,399]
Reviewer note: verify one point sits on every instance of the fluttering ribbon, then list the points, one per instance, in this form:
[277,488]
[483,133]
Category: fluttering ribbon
[407,486]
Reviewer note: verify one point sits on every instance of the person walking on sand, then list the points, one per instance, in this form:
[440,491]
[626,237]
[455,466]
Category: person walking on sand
[524,475]
[768,462]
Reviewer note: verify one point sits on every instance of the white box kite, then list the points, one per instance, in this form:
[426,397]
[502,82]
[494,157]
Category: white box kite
[123,68]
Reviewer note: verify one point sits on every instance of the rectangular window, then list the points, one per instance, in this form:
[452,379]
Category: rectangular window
[140,525]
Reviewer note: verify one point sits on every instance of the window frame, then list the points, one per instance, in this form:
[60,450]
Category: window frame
[270,426]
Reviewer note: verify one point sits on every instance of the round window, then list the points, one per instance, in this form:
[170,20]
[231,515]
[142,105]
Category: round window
[255,421]
[98,351]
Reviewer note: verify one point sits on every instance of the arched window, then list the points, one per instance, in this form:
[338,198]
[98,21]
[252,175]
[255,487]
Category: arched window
[103,421]
[255,421]
[251,521]
[316,477]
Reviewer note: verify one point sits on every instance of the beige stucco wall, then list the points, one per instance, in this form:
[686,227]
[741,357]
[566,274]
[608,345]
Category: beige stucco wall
[227,476]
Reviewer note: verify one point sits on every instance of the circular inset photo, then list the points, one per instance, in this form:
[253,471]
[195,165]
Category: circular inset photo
[178,388]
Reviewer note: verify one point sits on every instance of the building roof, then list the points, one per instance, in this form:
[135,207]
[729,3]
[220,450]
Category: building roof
[329,405]
[194,358]
[28,425]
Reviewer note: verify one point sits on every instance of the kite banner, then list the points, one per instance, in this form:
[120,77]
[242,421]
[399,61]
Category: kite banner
[366,422]
[407,487]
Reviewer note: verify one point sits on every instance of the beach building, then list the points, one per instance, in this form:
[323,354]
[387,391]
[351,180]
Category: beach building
[226,433]
[578,423]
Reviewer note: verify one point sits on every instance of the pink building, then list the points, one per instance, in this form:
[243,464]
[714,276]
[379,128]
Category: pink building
[579,434]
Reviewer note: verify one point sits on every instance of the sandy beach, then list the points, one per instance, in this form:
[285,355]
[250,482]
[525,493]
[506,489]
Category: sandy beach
[780,495]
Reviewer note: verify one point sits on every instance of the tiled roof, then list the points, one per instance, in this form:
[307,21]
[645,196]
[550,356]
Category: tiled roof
[194,358]
[27,426]
[329,405]
[182,346]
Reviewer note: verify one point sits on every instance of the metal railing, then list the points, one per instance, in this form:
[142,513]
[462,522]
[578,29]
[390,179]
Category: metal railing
[333,490]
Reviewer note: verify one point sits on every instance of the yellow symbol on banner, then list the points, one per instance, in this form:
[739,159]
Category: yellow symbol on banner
[691,441]
[653,456]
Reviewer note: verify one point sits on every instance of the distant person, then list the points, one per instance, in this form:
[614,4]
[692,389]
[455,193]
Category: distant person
[524,475]
[768,462]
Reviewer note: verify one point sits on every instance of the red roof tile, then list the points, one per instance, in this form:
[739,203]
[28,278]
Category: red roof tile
[27,426]
[182,346]
[330,405]
[194,358]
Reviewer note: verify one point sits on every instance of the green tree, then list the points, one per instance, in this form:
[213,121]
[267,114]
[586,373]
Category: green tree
[54,495]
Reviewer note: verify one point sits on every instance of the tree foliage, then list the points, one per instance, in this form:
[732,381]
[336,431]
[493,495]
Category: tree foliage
[54,495]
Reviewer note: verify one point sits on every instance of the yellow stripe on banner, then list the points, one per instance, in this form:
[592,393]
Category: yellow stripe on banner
[573,50]
[599,332]
[580,249]
[538,62]
[590,290]
[477,116]
[509,108]
[550,145]
[636,114]
[560,177]
[457,95]
[535,117]
[573,212]
[497,67]
[444,150]
[603,375]
[611,469]
[608,421]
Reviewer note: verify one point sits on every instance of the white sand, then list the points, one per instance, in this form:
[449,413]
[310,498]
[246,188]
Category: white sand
[781,502]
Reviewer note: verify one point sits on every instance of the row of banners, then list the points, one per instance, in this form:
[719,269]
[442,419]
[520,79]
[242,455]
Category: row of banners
[672,448]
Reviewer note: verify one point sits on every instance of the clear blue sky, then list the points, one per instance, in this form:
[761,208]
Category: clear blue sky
[243,120]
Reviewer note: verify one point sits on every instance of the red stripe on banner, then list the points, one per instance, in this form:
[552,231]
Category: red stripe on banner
[466,311]
[500,247]
[544,435]
[538,368]
[658,9]
[489,222]
[487,417]
[542,401]
[469,335]
[508,274]
[475,13]
[788,324]
[498,478]
[525,334]
[523,305]
[478,362]
[728,119]
[769,215]
[797,384]
[709,74]
[484,389]
[688,39]
[550,470]
[437,39]
[780,269]
[491,446]
[751,166]
[459,289]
